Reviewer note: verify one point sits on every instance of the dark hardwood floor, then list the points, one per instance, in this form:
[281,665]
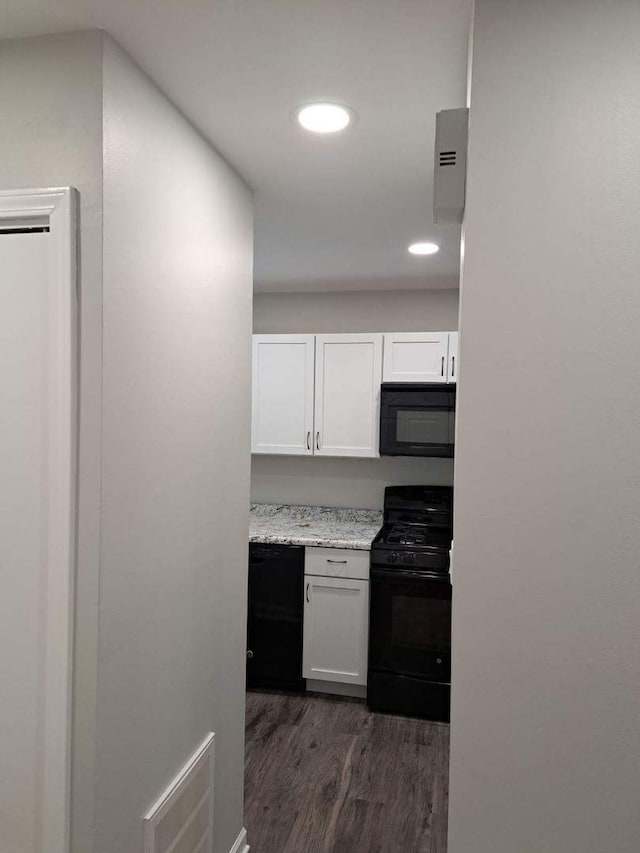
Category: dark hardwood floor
[325,775]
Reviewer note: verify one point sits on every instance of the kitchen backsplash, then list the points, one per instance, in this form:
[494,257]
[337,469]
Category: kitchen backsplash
[340,482]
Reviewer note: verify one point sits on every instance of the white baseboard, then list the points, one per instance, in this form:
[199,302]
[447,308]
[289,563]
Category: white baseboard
[240,845]
[336,689]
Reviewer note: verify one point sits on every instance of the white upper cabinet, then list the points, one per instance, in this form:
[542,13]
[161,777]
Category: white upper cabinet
[283,379]
[454,366]
[320,394]
[347,410]
[416,356]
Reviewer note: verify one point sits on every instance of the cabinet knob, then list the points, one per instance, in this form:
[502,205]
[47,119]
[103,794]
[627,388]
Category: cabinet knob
[249,654]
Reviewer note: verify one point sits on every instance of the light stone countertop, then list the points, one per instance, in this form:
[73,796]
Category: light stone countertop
[319,526]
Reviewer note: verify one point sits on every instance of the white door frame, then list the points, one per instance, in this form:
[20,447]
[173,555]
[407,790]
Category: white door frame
[57,209]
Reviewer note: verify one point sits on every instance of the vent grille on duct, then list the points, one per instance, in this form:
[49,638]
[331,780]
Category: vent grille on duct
[450,165]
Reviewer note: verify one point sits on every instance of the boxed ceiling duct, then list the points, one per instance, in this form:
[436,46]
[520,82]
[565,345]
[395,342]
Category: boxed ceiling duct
[450,166]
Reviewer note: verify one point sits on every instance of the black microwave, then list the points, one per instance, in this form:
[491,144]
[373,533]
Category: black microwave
[417,419]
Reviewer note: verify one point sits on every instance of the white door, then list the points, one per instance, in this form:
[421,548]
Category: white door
[36,530]
[336,629]
[283,377]
[452,372]
[415,356]
[348,377]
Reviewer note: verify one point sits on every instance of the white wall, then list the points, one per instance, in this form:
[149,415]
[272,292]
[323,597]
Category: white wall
[347,482]
[160,608]
[360,311]
[51,108]
[546,670]
[358,483]
[177,324]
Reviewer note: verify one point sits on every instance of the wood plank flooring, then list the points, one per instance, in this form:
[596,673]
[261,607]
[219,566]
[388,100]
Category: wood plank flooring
[325,775]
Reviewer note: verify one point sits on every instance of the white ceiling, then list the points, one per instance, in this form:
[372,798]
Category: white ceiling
[332,213]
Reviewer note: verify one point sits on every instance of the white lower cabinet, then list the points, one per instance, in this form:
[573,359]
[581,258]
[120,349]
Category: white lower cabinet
[337,563]
[336,629]
[336,616]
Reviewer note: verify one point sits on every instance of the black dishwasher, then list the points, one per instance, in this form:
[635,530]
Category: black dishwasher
[274,624]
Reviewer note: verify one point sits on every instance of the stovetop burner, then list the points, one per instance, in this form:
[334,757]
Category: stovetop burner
[406,539]
[417,529]
[414,535]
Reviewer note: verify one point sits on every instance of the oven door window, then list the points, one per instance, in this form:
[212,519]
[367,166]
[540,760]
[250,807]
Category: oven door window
[411,626]
[422,426]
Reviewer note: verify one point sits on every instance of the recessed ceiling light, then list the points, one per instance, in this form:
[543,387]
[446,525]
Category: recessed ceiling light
[423,248]
[324,117]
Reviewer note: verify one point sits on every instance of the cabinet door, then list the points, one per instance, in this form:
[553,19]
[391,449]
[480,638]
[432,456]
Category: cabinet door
[415,356]
[282,416]
[348,377]
[336,629]
[452,372]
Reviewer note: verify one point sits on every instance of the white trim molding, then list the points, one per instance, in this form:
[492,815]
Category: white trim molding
[56,208]
[240,845]
[187,783]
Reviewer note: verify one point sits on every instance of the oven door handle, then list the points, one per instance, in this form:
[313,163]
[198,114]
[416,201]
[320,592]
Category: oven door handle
[404,574]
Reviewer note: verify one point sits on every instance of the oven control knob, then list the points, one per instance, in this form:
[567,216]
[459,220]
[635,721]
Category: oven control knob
[409,558]
[393,558]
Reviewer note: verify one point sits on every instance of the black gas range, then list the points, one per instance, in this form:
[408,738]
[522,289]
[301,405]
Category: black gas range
[409,668]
